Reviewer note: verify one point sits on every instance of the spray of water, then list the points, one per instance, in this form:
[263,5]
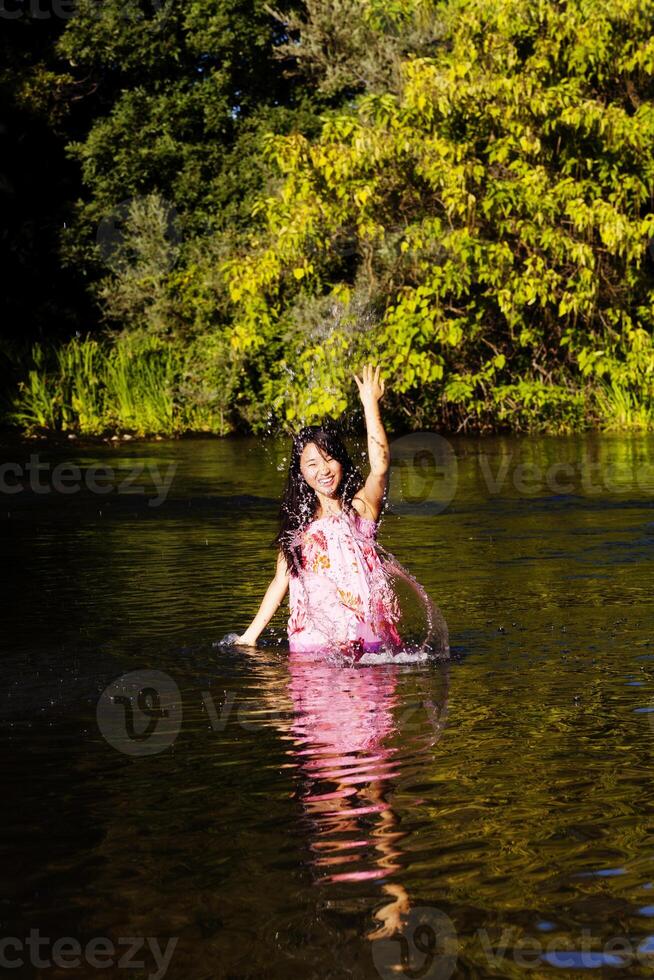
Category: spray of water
[417,619]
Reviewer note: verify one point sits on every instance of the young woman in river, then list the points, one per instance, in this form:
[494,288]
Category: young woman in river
[340,598]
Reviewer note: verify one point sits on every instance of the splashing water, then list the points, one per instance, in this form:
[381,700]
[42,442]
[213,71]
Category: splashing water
[421,624]
[228,640]
[395,614]
[412,626]
[396,621]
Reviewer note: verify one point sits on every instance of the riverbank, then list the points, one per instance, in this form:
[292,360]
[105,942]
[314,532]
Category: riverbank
[143,387]
[10,437]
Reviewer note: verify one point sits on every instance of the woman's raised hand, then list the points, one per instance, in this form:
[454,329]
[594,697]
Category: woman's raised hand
[371,386]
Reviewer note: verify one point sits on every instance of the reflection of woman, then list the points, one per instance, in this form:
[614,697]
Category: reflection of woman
[342,718]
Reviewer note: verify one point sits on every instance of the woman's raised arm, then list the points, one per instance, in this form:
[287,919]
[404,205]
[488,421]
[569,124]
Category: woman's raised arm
[371,389]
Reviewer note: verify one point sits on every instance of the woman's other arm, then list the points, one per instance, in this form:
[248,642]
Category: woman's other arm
[269,604]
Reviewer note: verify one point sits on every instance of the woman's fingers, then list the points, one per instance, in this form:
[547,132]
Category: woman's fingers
[370,374]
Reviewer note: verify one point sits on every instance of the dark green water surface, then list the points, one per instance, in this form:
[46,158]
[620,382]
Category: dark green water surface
[278,818]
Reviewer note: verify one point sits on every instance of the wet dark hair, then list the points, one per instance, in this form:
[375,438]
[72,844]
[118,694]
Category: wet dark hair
[299,502]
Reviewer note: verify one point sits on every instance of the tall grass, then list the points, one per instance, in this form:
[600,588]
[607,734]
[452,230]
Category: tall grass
[38,404]
[80,368]
[139,390]
[138,386]
[620,410]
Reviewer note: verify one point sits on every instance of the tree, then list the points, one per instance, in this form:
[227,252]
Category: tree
[179,88]
[496,210]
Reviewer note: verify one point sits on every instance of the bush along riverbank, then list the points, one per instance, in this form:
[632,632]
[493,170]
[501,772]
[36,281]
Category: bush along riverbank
[139,386]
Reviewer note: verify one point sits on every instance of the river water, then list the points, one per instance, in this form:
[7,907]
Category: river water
[258,815]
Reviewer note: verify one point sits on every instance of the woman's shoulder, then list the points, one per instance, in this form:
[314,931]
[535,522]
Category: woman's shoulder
[366,524]
[364,510]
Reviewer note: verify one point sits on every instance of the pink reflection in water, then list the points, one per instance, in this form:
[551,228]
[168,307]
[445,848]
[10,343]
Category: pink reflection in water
[343,720]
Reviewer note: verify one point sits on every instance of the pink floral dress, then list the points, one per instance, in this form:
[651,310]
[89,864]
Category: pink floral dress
[341,600]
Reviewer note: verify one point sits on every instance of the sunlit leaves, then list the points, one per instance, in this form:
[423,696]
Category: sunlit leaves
[498,201]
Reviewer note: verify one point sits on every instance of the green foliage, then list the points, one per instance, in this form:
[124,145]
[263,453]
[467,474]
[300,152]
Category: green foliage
[38,404]
[138,384]
[621,410]
[461,190]
[350,46]
[135,295]
[182,84]
[498,210]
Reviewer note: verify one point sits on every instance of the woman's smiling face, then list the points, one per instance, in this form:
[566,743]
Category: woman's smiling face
[320,470]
